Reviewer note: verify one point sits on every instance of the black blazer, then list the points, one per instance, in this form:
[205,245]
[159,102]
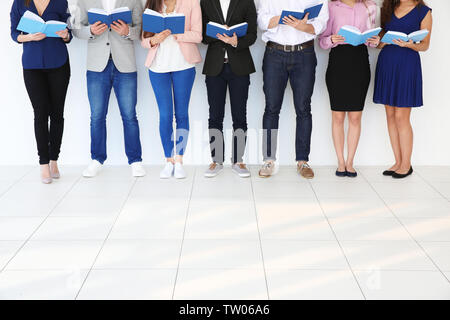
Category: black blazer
[239,58]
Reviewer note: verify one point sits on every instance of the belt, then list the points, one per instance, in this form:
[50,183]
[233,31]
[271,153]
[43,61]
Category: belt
[288,48]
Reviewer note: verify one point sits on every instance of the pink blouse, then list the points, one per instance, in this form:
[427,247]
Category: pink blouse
[362,16]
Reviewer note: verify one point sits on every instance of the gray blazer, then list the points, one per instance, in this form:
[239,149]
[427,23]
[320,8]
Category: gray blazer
[109,43]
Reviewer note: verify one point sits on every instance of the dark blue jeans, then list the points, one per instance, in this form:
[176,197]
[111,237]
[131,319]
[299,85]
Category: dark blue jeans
[299,68]
[99,86]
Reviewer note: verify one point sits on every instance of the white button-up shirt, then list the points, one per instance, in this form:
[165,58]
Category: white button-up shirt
[225,4]
[284,34]
[109,5]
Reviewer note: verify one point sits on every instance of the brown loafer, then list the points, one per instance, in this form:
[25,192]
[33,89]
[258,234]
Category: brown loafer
[305,170]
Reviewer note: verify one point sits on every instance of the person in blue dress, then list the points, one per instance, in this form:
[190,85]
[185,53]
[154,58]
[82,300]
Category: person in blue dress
[398,80]
[46,72]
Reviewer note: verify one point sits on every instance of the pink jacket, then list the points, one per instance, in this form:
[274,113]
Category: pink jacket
[187,41]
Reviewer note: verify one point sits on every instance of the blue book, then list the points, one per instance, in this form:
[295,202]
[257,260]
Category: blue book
[313,13]
[32,23]
[156,22]
[96,15]
[212,29]
[416,36]
[355,37]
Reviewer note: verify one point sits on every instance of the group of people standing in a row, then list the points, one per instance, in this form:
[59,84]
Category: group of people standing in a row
[171,61]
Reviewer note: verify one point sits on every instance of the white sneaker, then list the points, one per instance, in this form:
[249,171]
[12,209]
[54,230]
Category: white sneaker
[179,171]
[137,170]
[93,169]
[167,172]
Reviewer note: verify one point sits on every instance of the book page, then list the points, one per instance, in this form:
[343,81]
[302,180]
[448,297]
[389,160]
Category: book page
[98,11]
[32,16]
[152,13]
[119,10]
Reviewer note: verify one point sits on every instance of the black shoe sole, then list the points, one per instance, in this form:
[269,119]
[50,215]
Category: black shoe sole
[388,173]
[351,174]
[403,176]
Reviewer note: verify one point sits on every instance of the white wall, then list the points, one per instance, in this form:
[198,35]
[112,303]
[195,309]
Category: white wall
[431,122]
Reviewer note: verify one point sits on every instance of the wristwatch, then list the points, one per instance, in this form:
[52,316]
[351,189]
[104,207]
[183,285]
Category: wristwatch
[128,35]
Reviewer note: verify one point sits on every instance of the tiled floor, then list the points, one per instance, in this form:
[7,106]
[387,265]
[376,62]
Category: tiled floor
[115,237]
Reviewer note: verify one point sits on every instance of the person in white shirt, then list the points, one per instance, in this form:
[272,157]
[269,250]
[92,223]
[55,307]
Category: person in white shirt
[289,56]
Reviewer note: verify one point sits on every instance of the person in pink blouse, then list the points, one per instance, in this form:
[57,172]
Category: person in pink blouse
[348,74]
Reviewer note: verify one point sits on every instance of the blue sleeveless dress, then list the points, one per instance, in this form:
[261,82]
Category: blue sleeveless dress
[398,78]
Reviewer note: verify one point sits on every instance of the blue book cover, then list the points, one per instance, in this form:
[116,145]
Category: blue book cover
[416,36]
[155,22]
[212,29]
[96,15]
[32,23]
[355,37]
[313,13]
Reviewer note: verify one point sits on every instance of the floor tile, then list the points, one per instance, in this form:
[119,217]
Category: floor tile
[133,284]
[7,250]
[282,189]
[113,173]
[411,190]
[13,173]
[220,219]
[375,174]
[439,252]
[162,189]
[74,206]
[291,254]
[139,254]
[350,228]
[19,228]
[69,174]
[419,208]
[221,254]
[431,229]
[222,284]
[401,285]
[74,228]
[284,173]
[41,284]
[328,174]
[434,174]
[228,190]
[386,255]
[343,190]
[355,208]
[93,188]
[51,255]
[292,218]
[312,285]
[5,186]
[151,219]
[32,207]
[443,188]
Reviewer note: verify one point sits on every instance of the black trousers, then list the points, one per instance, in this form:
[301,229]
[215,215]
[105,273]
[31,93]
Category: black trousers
[217,92]
[47,89]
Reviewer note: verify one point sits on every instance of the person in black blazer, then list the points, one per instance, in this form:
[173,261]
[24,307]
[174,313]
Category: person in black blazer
[228,64]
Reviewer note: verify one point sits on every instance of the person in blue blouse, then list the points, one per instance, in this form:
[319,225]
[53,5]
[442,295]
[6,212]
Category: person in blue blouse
[398,80]
[46,72]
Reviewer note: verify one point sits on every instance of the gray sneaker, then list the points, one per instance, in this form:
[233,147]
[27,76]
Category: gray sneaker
[241,170]
[213,170]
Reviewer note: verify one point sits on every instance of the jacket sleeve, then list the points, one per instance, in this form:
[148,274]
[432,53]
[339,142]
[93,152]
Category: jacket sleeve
[206,20]
[252,33]
[136,28]
[81,28]
[15,18]
[194,35]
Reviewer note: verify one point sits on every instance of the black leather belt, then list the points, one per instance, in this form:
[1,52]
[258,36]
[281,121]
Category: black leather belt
[289,48]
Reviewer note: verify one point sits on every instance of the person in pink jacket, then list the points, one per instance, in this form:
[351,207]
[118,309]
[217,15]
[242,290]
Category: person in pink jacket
[348,74]
[171,61]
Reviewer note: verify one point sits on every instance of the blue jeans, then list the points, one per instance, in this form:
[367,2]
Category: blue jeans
[299,68]
[99,86]
[173,87]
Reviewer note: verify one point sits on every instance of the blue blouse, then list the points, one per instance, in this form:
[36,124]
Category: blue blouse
[49,53]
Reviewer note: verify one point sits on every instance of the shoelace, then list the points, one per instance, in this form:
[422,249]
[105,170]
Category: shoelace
[212,166]
[305,165]
[268,165]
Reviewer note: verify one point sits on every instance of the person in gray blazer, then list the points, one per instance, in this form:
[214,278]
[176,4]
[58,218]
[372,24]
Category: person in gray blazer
[111,63]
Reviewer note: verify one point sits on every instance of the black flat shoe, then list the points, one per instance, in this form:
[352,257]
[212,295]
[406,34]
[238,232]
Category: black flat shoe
[351,174]
[402,176]
[388,173]
[341,174]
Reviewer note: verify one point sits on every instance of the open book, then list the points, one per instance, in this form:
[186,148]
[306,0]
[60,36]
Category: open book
[355,37]
[313,11]
[212,29]
[156,22]
[96,15]
[32,23]
[416,36]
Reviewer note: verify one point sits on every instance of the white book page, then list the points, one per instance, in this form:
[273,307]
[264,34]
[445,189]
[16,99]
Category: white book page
[215,24]
[118,10]
[395,33]
[55,22]
[417,33]
[352,29]
[151,12]
[372,30]
[32,16]
[238,25]
[98,11]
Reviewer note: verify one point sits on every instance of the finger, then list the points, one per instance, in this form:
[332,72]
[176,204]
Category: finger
[121,22]
[306,16]
[96,24]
